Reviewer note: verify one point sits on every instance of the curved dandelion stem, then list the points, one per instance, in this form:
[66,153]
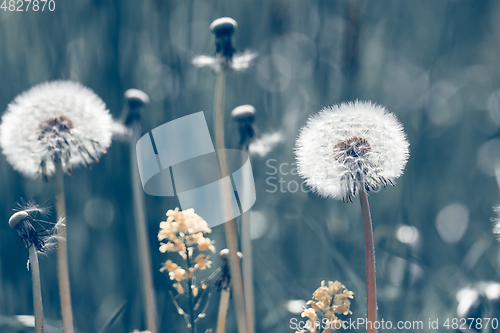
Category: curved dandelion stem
[371,289]
[232,244]
[62,252]
[223,305]
[37,290]
[142,237]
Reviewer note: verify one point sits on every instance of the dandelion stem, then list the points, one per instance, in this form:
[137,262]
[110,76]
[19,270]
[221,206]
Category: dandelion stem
[142,237]
[371,289]
[223,305]
[37,290]
[232,244]
[246,247]
[62,252]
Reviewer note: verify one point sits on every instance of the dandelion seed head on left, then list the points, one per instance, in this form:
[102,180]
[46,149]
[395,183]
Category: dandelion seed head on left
[56,120]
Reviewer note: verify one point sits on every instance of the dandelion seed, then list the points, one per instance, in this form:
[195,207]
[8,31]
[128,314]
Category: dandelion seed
[263,144]
[58,120]
[351,146]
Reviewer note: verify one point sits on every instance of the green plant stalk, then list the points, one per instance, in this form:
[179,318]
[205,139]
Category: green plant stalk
[371,288]
[190,294]
[142,238]
[62,252]
[232,244]
[223,305]
[37,290]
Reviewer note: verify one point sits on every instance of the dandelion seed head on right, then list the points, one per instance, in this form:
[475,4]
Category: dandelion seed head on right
[351,147]
[496,222]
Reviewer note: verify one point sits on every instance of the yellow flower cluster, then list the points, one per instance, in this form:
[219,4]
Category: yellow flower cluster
[327,302]
[137,331]
[184,229]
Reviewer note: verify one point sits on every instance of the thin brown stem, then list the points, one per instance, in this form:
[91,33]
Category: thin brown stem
[223,305]
[232,244]
[37,290]
[246,247]
[190,294]
[371,289]
[142,239]
[62,252]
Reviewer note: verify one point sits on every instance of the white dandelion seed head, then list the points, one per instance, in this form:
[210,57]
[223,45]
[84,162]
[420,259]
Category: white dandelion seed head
[55,120]
[496,222]
[351,146]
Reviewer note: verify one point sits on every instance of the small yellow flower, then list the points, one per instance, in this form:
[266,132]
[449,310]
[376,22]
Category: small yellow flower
[205,244]
[189,274]
[314,304]
[169,266]
[310,313]
[179,288]
[202,262]
[176,246]
[178,274]
[193,238]
[328,300]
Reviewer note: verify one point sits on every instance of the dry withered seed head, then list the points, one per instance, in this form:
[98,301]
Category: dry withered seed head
[17,218]
[224,254]
[136,96]
[243,113]
[223,25]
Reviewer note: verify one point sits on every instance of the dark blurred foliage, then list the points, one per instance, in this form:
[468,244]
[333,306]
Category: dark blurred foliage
[435,64]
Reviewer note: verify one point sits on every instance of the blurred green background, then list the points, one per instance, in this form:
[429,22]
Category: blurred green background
[435,64]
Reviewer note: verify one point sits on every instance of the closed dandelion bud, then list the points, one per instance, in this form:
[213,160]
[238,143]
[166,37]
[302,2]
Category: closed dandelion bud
[136,100]
[223,29]
[226,57]
[244,115]
[224,254]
